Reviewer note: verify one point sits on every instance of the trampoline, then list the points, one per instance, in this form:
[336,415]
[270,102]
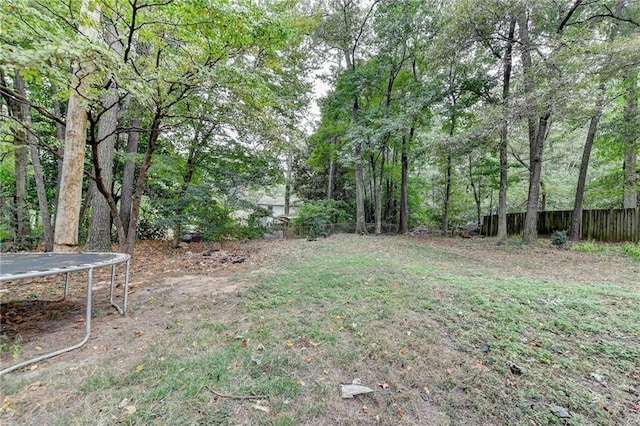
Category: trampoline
[17,266]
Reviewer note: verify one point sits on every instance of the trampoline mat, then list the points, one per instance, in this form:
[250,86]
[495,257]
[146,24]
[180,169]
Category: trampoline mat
[23,265]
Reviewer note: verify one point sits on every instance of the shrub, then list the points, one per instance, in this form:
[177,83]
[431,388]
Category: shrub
[559,238]
[316,218]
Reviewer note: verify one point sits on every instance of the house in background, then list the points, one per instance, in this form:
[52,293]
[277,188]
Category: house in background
[276,207]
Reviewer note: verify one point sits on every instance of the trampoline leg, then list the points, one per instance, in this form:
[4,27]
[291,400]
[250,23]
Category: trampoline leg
[66,286]
[70,348]
[122,310]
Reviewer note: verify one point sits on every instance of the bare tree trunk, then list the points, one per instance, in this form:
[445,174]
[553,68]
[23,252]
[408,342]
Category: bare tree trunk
[447,196]
[68,217]
[361,227]
[630,138]
[25,113]
[403,226]
[379,187]
[60,131]
[287,183]
[504,164]
[99,238]
[127,245]
[576,220]
[22,226]
[330,183]
[128,176]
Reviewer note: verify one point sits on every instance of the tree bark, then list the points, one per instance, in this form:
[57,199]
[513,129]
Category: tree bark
[22,228]
[70,194]
[361,227]
[99,238]
[43,205]
[630,139]
[504,130]
[403,226]
[576,219]
[447,196]
[128,175]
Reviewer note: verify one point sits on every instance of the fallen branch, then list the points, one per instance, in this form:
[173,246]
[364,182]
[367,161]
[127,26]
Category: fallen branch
[222,395]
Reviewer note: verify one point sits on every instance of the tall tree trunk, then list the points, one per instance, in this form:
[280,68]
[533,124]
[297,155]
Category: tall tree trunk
[403,225]
[379,182]
[536,138]
[22,228]
[43,205]
[99,238]
[287,183]
[630,139]
[330,182]
[128,175]
[576,220]
[504,129]
[128,244]
[186,182]
[447,196]
[361,227]
[60,131]
[70,194]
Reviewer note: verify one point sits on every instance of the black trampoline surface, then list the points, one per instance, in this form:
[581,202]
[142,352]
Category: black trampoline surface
[24,265]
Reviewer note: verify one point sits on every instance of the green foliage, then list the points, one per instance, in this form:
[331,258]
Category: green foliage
[632,250]
[316,217]
[559,238]
[148,230]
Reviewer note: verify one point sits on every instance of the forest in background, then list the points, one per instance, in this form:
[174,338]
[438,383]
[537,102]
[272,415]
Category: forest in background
[127,118]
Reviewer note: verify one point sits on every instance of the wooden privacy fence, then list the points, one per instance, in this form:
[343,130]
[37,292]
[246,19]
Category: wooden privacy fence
[613,225]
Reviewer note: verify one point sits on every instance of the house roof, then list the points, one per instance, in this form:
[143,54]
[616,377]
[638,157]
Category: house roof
[278,201]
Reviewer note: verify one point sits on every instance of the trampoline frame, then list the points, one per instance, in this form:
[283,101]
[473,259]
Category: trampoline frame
[113,260]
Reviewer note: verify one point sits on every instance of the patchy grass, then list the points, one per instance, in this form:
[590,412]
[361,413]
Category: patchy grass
[446,332]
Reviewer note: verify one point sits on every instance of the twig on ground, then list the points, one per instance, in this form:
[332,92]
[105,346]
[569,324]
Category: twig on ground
[222,395]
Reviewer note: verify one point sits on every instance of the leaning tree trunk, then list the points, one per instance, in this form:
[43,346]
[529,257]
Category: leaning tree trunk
[70,192]
[630,138]
[43,205]
[576,220]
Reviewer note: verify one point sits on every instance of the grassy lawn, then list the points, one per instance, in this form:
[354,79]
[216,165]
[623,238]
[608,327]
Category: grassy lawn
[446,333]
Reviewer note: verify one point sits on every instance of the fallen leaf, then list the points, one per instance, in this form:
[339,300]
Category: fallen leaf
[140,367]
[129,410]
[245,342]
[400,413]
[383,385]
[255,359]
[288,345]
[365,409]
[262,408]
[139,333]
[123,403]
[35,386]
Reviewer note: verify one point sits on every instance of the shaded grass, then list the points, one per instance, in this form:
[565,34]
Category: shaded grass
[409,319]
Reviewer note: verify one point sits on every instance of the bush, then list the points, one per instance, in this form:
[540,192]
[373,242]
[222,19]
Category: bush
[147,230]
[559,238]
[317,218]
